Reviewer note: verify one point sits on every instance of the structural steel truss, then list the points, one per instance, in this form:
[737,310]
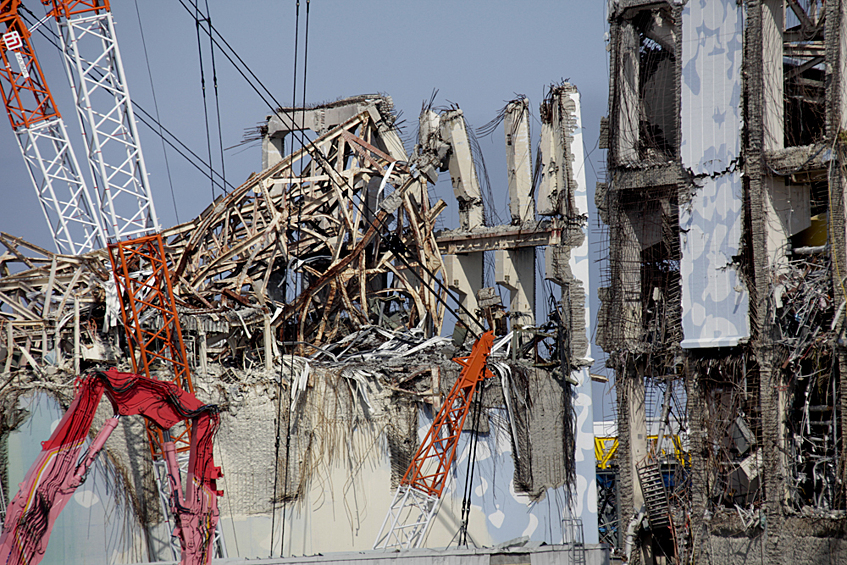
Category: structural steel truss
[310,233]
[96,74]
[145,292]
[43,141]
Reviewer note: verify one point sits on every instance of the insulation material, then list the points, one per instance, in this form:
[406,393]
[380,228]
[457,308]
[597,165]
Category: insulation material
[711,86]
[714,298]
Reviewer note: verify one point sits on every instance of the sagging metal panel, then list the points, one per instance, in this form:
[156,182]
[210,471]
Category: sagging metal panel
[714,298]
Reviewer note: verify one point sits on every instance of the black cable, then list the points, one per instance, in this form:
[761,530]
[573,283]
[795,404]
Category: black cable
[203,90]
[297,283]
[222,183]
[466,495]
[217,97]
[300,210]
[156,108]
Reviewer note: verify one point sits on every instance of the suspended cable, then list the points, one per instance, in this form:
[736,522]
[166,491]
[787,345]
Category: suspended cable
[466,494]
[156,108]
[315,153]
[203,91]
[291,380]
[217,97]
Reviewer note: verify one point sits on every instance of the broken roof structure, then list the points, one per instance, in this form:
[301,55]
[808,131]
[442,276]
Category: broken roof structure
[312,299]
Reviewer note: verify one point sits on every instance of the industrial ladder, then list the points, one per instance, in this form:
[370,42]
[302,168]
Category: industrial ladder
[655,495]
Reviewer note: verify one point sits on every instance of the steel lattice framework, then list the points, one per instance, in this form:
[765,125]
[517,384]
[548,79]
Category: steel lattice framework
[416,500]
[97,79]
[43,141]
[144,288]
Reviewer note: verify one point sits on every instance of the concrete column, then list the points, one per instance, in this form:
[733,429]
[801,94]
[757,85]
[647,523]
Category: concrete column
[515,270]
[272,148]
[637,434]
[76,336]
[10,346]
[550,185]
[204,369]
[519,161]
[464,275]
[773,21]
[628,103]
[462,169]
[268,335]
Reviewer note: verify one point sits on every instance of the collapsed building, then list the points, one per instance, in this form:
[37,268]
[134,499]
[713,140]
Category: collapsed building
[723,298]
[311,301]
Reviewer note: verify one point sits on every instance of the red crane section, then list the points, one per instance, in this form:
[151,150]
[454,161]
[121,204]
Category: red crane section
[144,289]
[416,500]
[68,8]
[55,475]
[25,93]
[433,459]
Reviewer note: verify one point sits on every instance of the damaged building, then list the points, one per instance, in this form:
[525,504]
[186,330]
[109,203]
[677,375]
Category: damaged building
[310,302]
[723,296]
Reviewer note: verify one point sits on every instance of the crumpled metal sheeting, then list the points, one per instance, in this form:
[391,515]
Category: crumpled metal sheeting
[372,343]
[802,303]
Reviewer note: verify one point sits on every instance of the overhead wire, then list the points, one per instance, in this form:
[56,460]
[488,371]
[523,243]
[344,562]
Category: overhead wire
[291,377]
[217,97]
[298,282]
[203,90]
[393,241]
[156,108]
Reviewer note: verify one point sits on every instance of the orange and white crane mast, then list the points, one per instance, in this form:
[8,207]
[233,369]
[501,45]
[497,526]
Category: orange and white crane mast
[122,215]
[417,498]
[71,214]
[97,79]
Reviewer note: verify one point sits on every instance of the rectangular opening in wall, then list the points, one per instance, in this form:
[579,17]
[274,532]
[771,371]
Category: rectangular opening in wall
[652,215]
[647,96]
[804,58]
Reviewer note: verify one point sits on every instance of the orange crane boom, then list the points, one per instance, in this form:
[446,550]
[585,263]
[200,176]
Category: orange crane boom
[416,500]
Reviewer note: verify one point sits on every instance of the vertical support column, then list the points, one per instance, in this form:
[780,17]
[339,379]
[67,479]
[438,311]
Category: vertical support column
[10,346]
[462,169]
[204,367]
[836,110]
[268,336]
[464,275]
[628,111]
[515,270]
[773,22]
[272,150]
[464,272]
[519,161]
[76,335]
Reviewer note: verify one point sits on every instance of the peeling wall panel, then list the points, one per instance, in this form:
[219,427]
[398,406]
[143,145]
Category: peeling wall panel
[711,86]
[586,475]
[714,298]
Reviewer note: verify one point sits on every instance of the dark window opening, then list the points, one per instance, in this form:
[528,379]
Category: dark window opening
[804,104]
[657,125]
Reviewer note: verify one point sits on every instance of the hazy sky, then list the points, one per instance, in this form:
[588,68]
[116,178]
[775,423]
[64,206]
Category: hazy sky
[478,54]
